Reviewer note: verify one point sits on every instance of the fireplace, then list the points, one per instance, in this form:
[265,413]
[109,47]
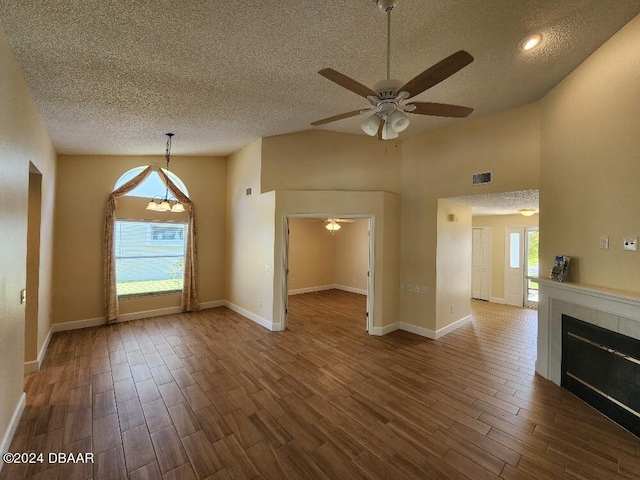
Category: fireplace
[591,353]
[602,368]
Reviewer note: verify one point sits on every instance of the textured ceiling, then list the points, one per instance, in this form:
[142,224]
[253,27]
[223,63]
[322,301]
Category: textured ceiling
[112,77]
[508,203]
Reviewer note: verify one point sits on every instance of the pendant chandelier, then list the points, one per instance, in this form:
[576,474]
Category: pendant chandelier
[166,204]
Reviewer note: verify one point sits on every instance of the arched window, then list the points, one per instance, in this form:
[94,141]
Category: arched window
[150,252]
[152,185]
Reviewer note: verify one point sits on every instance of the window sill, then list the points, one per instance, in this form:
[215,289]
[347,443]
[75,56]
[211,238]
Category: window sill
[133,296]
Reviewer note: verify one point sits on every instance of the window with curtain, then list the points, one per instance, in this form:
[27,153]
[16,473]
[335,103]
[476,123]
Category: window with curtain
[150,257]
[149,254]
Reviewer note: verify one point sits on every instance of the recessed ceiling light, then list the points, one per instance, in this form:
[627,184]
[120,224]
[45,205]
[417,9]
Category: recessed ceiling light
[530,42]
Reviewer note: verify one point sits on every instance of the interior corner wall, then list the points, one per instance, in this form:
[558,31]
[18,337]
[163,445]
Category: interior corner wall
[318,259]
[324,160]
[84,185]
[440,164]
[351,260]
[383,206]
[498,225]
[33,267]
[590,165]
[453,263]
[250,237]
[23,139]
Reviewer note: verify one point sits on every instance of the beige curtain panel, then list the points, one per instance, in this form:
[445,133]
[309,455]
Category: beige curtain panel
[189,291]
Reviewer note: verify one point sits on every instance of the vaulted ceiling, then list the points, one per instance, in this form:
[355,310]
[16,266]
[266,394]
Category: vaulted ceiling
[112,77]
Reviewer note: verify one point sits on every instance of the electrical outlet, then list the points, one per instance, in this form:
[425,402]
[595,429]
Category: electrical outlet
[452,309]
[604,243]
[630,243]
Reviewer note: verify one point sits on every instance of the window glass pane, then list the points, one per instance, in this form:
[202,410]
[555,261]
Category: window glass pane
[514,250]
[152,185]
[149,256]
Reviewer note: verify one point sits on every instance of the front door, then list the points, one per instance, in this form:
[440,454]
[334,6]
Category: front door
[514,266]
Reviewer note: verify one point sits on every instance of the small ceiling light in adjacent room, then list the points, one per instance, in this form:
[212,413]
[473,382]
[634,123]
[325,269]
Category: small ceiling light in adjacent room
[527,212]
[332,225]
[166,204]
[530,42]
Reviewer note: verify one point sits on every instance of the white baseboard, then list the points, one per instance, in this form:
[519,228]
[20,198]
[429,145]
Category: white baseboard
[423,332]
[452,326]
[379,331]
[34,365]
[86,323]
[498,300]
[334,286]
[359,291]
[127,317]
[299,291]
[13,424]
[251,316]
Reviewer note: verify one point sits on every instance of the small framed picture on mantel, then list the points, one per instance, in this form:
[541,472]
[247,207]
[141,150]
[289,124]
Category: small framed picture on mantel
[560,268]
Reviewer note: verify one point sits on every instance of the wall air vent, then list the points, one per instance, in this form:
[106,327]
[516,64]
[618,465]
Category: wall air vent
[481,178]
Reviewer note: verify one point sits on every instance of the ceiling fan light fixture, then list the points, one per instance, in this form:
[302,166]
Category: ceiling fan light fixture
[398,121]
[370,125]
[388,133]
[332,226]
[530,42]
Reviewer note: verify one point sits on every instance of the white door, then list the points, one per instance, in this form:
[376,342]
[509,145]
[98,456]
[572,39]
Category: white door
[514,266]
[481,263]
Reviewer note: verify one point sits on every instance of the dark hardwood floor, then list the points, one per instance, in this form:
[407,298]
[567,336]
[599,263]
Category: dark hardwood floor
[213,395]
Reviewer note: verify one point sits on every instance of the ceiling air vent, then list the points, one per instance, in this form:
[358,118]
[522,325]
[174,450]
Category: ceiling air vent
[481,178]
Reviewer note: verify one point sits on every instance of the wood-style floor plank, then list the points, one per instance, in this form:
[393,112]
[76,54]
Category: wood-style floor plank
[212,395]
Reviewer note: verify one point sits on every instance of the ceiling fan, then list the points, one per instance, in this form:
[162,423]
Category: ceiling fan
[389,99]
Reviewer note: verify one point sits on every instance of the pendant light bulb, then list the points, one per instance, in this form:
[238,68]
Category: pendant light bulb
[399,121]
[388,133]
[370,125]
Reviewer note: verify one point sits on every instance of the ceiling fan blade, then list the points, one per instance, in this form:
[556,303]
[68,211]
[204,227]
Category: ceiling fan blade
[441,110]
[336,117]
[346,82]
[437,73]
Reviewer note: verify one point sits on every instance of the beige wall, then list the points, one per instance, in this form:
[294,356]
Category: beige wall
[498,225]
[23,139]
[351,261]
[453,263]
[440,164]
[590,165]
[323,160]
[318,259]
[84,184]
[250,233]
[311,254]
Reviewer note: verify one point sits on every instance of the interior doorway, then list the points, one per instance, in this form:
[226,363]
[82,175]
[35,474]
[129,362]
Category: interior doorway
[320,256]
[34,209]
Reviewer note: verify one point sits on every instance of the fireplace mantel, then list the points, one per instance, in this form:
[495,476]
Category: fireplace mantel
[611,309]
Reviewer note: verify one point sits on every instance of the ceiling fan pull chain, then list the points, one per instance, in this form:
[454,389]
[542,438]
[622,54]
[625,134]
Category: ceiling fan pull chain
[388,44]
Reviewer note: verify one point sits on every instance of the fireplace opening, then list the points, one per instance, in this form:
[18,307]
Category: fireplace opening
[602,368]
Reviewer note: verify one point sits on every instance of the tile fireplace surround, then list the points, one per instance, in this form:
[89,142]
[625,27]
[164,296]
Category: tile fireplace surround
[609,309]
